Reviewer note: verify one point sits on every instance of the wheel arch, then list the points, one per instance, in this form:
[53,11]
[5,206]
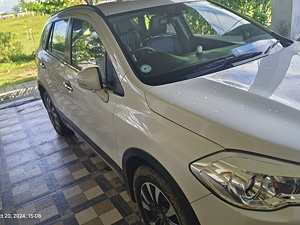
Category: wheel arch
[133,158]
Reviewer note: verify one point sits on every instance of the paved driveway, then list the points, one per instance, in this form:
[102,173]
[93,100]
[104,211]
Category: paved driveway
[48,179]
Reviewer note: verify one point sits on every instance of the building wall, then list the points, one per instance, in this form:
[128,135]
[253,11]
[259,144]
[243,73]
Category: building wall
[295,30]
[286,18]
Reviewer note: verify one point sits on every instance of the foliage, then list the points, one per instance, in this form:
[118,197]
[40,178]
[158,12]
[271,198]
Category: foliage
[17,8]
[52,6]
[45,6]
[19,71]
[90,2]
[10,49]
[23,68]
[259,10]
[86,46]
[198,24]
[76,2]
[21,26]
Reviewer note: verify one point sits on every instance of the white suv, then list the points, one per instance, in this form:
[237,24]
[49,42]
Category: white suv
[195,106]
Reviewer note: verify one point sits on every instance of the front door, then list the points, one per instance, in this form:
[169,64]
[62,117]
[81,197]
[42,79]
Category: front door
[90,111]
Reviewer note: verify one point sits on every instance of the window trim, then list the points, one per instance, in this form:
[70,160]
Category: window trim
[44,42]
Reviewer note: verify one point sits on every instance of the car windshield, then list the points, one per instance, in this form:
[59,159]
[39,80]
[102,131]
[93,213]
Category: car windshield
[176,42]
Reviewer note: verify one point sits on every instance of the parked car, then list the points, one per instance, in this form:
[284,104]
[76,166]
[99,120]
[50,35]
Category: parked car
[195,106]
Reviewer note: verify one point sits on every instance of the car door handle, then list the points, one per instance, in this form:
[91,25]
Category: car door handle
[68,86]
[42,65]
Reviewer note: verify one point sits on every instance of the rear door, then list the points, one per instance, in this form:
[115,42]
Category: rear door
[53,60]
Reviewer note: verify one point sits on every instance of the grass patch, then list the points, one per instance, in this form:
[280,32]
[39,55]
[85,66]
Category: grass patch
[19,81]
[20,71]
[23,69]
[22,26]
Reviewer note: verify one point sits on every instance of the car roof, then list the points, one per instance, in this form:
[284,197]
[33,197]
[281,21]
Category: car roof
[111,8]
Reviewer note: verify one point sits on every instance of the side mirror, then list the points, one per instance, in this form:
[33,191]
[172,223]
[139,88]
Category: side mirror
[89,79]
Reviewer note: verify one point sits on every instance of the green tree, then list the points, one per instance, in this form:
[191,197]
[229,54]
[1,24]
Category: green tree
[198,24]
[45,6]
[259,10]
[52,6]
[17,8]
[87,2]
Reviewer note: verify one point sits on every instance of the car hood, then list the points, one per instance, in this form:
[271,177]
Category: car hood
[252,107]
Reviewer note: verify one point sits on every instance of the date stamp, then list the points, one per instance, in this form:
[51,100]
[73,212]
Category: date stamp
[20,216]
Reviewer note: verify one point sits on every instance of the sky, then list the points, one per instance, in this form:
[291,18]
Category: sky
[6,5]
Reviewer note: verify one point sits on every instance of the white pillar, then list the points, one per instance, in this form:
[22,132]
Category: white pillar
[286,18]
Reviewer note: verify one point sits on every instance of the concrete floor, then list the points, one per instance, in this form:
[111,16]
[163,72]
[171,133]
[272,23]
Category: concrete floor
[49,179]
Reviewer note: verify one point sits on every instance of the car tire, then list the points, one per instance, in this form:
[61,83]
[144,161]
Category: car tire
[55,119]
[156,200]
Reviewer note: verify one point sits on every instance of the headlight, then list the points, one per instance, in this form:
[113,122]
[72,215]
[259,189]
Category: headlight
[249,181]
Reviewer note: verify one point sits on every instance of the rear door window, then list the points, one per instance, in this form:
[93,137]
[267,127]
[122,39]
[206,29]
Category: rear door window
[58,38]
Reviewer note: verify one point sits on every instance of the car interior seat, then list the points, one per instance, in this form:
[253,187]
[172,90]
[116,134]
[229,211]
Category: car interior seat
[159,40]
[129,37]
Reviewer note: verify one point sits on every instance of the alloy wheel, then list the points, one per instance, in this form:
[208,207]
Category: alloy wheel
[157,207]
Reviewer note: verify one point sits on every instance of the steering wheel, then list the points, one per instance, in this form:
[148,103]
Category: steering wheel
[132,53]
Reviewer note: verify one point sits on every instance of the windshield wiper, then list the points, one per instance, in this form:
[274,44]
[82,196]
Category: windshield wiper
[222,63]
[271,47]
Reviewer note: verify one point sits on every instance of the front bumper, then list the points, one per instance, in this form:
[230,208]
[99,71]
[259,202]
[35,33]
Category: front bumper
[211,210]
